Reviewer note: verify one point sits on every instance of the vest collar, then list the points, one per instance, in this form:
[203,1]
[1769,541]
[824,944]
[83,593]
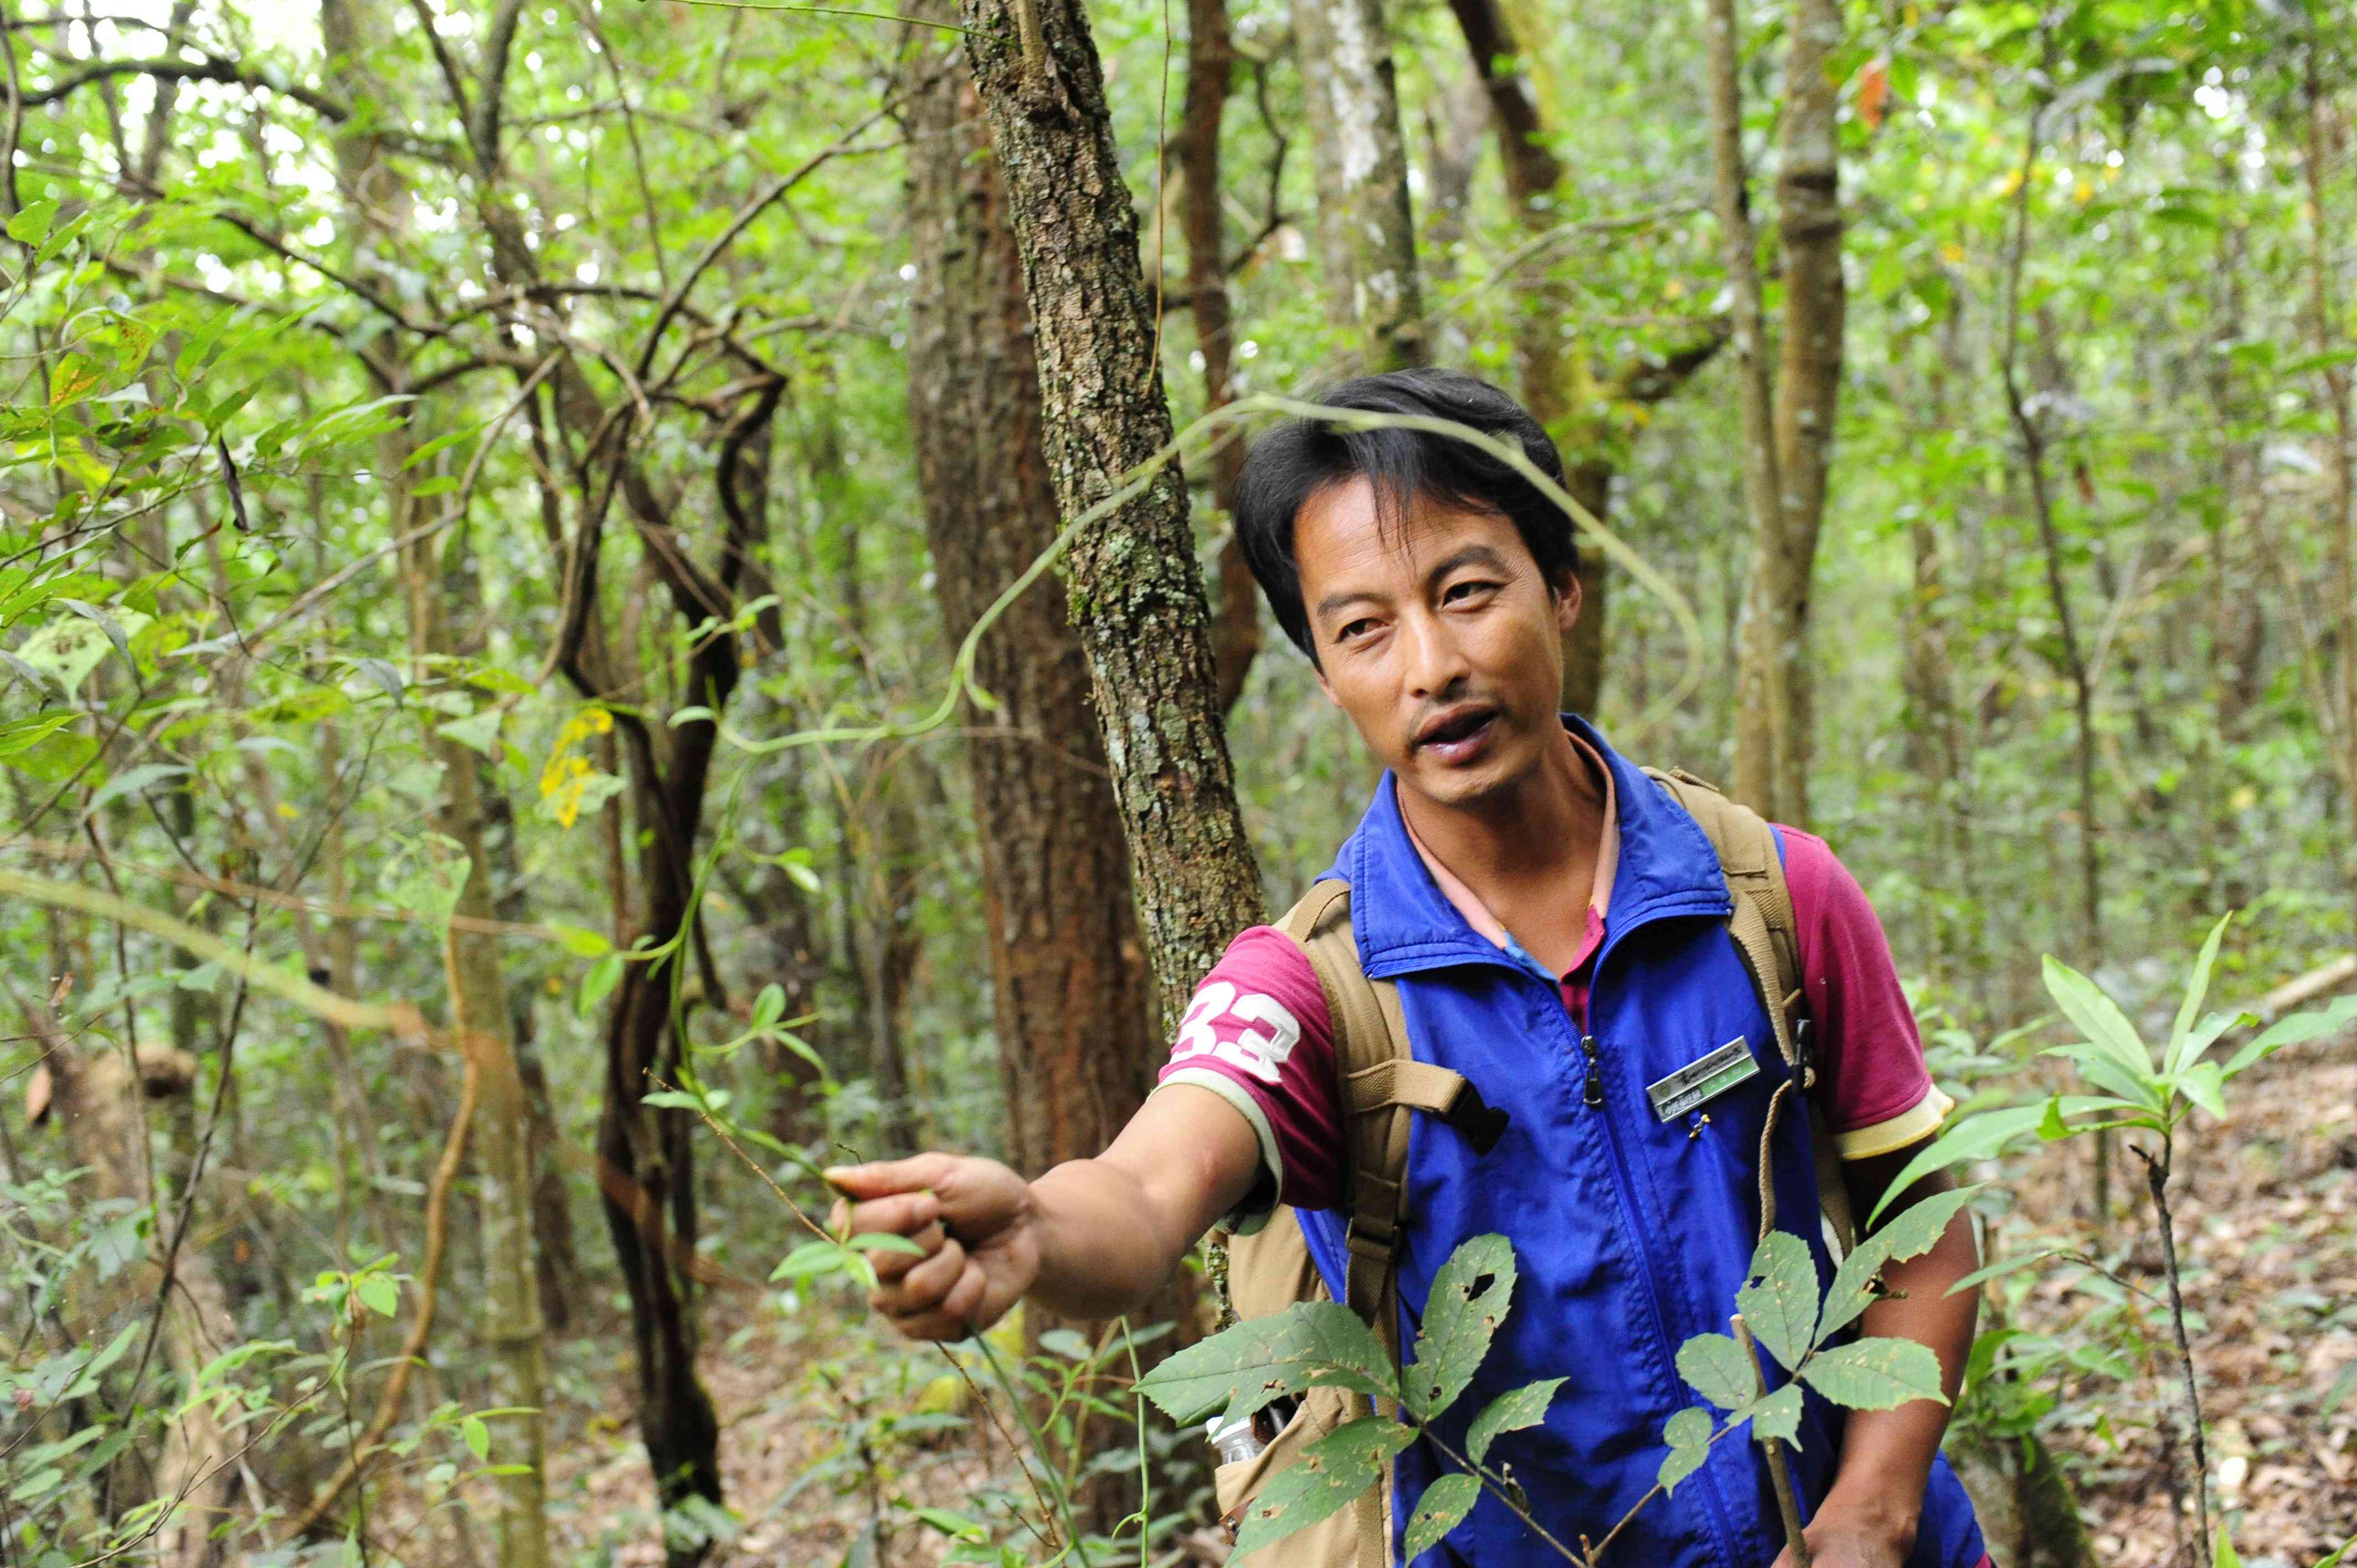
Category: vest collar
[1405,923]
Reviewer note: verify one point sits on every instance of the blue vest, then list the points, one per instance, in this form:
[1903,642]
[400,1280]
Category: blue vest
[1629,1235]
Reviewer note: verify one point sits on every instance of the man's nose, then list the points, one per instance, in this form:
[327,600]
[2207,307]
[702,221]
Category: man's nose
[1437,662]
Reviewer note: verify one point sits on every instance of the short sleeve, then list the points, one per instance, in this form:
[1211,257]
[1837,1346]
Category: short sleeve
[1876,1093]
[1257,1035]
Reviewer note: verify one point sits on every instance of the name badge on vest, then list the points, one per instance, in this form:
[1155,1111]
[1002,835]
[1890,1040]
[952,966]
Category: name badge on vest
[1698,1082]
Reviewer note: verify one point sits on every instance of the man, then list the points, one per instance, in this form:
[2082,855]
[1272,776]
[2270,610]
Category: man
[1555,923]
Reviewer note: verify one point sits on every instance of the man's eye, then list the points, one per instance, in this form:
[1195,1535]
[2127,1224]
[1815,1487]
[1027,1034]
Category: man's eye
[1459,592]
[1354,630]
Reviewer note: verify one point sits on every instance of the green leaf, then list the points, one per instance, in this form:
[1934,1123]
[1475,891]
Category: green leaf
[1972,1138]
[581,944]
[2200,1083]
[2227,1557]
[1445,1504]
[2338,1553]
[2197,990]
[2207,1033]
[885,1241]
[1461,1315]
[105,623]
[1776,1415]
[954,1525]
[769,1007]
[31,226]
[1876,1374]
[2098,1017]
[1915,1231]
[131,780]
[380,1293]
[812,1258]
[2295,1030]
[19,735]
[1689,1435]
[476,1436]
[1780,1301]
[1329,1476]
[1716,1366]
[478,733]
[1064,1342]
[1312,1345]
[1509,1411]
[603,976]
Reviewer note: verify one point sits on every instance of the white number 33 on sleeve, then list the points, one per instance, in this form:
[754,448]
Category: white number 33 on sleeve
[1250,1031]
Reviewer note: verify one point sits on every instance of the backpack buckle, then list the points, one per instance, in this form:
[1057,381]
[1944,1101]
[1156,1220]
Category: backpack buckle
[1479,1124]
[1805,1053]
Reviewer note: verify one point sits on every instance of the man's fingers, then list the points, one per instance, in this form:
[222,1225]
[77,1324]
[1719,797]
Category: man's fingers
[891,1265]
[903,1214]
[881,1179]
[954,1316]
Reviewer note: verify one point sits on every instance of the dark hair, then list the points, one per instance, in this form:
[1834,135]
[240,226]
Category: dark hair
[1297,459]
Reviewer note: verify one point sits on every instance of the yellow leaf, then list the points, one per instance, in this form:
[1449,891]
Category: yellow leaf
[1953,253]
[287,811]
[75,377]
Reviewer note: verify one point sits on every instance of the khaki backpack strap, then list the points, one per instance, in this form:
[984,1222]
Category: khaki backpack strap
[1767,935]
[1381,1085]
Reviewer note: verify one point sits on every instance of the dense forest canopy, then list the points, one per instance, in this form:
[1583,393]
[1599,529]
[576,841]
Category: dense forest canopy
[519,745]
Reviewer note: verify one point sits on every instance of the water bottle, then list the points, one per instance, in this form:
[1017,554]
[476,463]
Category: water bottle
[1235,1442]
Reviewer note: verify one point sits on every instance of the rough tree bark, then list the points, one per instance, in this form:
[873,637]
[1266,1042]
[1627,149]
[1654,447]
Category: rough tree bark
[1136,597]
[1788,431]
[512,1327]
[1366,236]
[1075,1028]
[1210,70]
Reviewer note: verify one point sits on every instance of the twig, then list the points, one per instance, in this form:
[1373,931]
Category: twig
[1779,1470]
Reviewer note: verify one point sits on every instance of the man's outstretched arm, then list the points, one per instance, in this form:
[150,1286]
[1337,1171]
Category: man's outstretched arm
[1090,1239]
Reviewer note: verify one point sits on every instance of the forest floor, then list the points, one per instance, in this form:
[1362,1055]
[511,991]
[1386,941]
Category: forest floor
[2268,1230]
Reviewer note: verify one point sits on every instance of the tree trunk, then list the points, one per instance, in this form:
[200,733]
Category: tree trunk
[2341,514]
[1761,631]
[1211,67]
[1366,236]
[512,1328]
[1136,597]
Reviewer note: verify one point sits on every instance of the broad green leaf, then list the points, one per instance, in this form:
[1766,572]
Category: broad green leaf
[106,623]
[603,976]
[579,942]
[1064,1342]
[2339,1555]
[2097,1067]
[2002,1267]
[1979,1138]
[476,1436]
[769,1006]
[885,1241]
[2227,1557]
[812,1258]
[2207,1033]
[2197,991]
[380,1293]
[1781,1303]
[955,1525]
[1876,1374]
[1468,1300]
[2297,1029]
[1913,1232]
[1509,1411]
[1315,1344]
[2097,1016]
[131,780]
[1689,1435]
[1717,1367]
[31,226]
[76,377]
[1442,1509]
[478,733]
[1329,1476]
[1776,1415]
[2200,1083]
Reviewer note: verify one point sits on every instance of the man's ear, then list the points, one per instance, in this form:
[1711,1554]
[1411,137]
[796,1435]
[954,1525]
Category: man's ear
[1566,602]
[1324,684]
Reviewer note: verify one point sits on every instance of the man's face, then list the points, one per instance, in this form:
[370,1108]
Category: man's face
[1442,641]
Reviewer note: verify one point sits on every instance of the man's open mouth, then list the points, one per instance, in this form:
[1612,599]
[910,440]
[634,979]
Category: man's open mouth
[1455,727]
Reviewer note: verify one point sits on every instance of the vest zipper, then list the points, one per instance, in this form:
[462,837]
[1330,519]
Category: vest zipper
[1594,1095]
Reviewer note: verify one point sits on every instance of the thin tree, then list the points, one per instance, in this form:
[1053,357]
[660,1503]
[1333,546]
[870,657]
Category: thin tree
[1366,234]
[1136,595]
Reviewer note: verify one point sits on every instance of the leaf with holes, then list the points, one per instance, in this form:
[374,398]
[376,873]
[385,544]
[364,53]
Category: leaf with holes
[1780,1301]
[1461,1315]
[1776,1415]
[1330,1474]
[1445,1504]
[1876,1374]
[1689,1435]
[1719,1369]
[1509,1411]
[1319,1343]
[1912,1234]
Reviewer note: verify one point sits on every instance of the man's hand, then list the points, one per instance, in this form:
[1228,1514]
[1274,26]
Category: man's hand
[1861,1537]
[973,1219]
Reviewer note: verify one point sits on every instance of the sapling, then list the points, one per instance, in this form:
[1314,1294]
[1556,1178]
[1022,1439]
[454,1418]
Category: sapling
[2139,1090]
[1325,1345]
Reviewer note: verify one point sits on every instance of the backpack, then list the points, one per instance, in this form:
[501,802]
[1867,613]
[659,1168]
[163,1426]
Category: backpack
[1382,1085]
